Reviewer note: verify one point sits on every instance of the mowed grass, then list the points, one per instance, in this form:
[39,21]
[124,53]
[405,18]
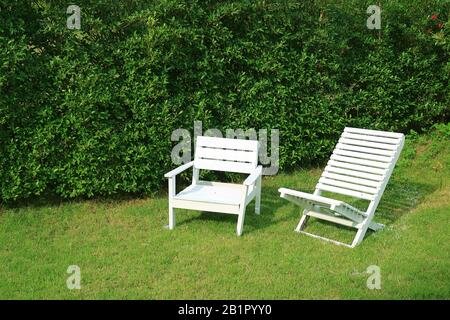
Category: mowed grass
[124,250]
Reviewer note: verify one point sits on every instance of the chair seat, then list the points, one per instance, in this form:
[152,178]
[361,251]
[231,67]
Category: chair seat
[220,193]
[320,201]
[311,197]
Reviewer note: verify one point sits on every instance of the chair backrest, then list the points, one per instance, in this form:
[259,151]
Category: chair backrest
[362,163]
[223,154]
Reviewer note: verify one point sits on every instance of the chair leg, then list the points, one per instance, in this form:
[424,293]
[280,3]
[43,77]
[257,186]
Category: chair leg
[302,222]
[258,196]
[172,191]
[240,223]
[359,236]
[171,218]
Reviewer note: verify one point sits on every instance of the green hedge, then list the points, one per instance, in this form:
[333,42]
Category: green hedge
[91,112]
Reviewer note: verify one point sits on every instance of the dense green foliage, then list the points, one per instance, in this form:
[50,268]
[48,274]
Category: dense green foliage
[91,111]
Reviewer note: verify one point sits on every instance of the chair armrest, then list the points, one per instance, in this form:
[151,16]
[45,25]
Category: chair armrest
[178,170]
[253,176]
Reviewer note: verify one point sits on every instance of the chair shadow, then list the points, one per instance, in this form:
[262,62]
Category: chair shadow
[399,198]
[270,203]
[53,201]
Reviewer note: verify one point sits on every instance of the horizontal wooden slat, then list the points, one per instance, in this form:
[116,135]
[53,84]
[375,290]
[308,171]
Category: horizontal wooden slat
[219,193]
[205,206]
[309,197]
[374,132]
[365,137]
[362,155]
[348,185]
[353,173]
[222,165]
[362,162]
[315,202]
[334,219]
[356,167]
[388,153]
[226,154]
[356,194]
[225,143]
[345,178]
[368,144]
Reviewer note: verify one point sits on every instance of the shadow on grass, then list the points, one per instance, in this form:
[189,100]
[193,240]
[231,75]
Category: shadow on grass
[270,203]
[399,198]
[52,201]
[49,199]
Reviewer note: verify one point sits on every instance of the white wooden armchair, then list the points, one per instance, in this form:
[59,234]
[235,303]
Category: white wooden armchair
[219,154]
[360,166]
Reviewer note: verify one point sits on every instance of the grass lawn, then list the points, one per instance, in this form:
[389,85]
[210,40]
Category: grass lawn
[124,250]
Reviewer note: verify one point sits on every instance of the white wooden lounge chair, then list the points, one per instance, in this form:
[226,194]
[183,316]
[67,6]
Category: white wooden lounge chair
[219,154]
[360,167]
